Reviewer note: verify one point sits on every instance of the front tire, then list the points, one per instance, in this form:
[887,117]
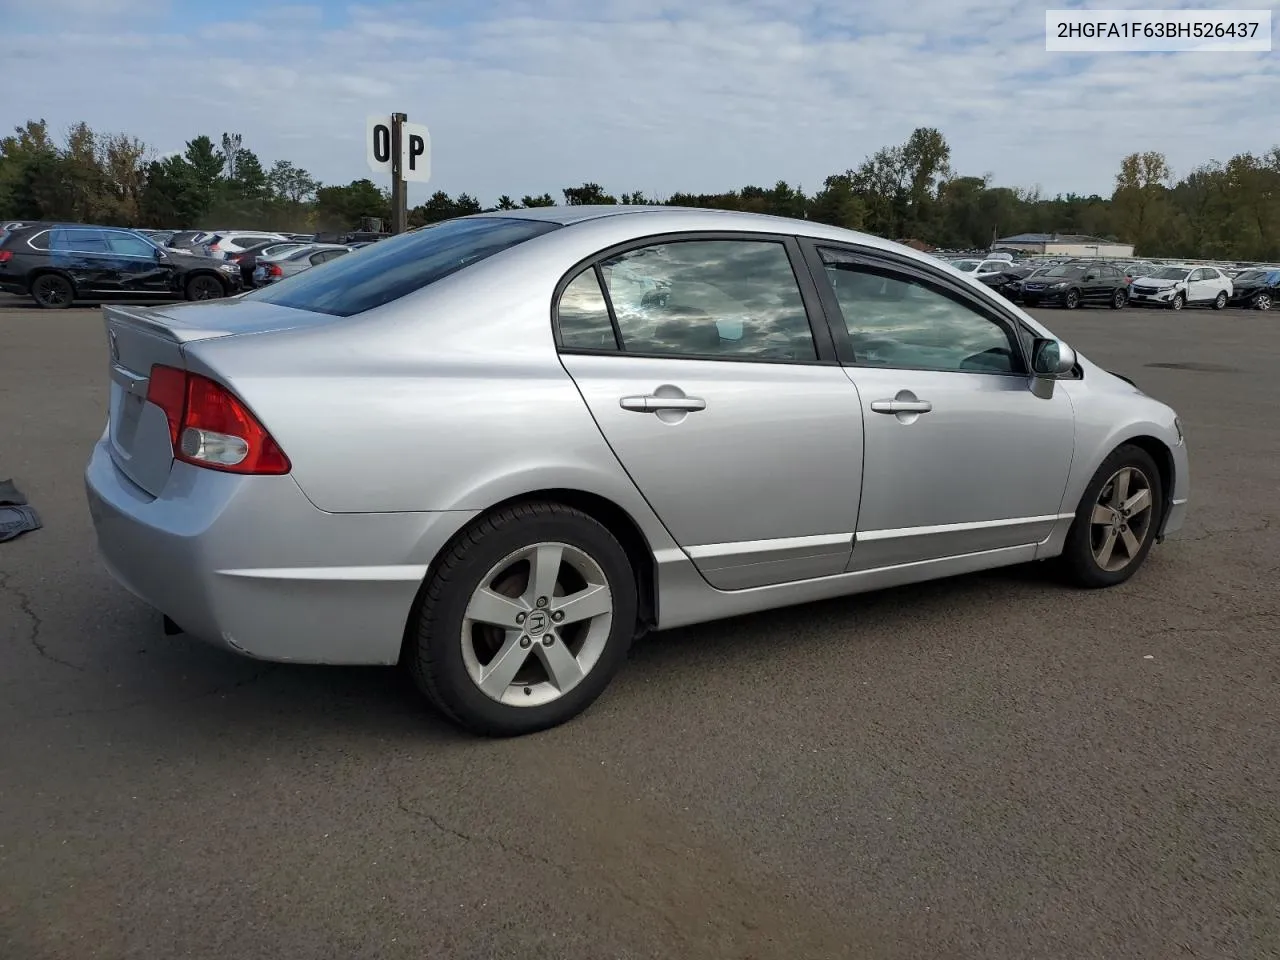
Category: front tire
[1119,299]
[524,620]
[204,286]
[52,291]
[1072,299]
[1116,521]
[1220,301]
[1177,302]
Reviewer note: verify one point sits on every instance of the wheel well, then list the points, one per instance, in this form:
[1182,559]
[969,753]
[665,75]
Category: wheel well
[193,274]
[1163,457]
[615,519]
[39,272]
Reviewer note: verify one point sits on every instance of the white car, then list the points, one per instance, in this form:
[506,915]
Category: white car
[1177,287]
[230,242]
[980,268]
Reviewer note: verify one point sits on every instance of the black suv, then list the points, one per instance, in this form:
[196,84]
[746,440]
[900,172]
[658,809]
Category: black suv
[1077,282]
[56,264]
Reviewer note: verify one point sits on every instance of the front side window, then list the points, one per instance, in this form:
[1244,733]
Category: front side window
[721,299]
[130,246]
[895,320]
[400,265]
[79,241]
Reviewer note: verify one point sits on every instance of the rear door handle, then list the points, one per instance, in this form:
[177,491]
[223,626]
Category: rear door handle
[901,406]
[653,404]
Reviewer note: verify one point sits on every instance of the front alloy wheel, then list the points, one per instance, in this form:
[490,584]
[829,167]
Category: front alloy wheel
[1221,300]
[1177,302]
[1121,519]
[1073,299]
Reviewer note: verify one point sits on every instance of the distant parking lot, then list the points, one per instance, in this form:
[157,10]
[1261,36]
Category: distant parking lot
[989,767]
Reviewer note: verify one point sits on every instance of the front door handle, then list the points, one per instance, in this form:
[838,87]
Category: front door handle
[901,406]
[655,404]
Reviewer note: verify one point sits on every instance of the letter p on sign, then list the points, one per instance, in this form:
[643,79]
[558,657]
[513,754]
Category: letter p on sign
[415,148]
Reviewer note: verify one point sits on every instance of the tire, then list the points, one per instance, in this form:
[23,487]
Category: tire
[1119,299]
[52,291]
[1177,302]
[1262,301]
[445,645]
[1221,300]
[1072,300]
[1085,561]
[204,286]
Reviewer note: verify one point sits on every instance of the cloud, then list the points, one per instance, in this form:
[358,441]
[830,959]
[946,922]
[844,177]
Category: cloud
[526,96]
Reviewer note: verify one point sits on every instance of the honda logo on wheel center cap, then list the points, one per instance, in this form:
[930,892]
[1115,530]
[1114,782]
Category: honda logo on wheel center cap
[536,624]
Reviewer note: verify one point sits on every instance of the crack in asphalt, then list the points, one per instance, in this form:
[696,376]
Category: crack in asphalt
[37,624]
[564,870]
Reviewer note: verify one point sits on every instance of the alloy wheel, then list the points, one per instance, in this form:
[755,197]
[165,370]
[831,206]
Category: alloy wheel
[1121,519]
[1073,299]
[205,288]
[1262,301]
[537,624]
[50,293]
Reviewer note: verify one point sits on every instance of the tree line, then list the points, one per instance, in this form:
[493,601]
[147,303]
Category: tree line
[1227,210]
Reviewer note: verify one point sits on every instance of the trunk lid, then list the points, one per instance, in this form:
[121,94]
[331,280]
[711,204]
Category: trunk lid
[138,338]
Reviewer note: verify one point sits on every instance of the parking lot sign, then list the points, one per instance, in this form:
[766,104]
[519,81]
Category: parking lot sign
[415,152]
[377,143]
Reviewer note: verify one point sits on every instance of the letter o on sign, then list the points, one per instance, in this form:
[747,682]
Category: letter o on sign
[382,143]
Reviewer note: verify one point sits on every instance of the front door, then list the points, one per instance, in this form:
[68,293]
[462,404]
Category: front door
[140,268]
[703,372]
[959,455]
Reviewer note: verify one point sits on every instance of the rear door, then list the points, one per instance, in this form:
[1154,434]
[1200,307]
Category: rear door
[959,455]
[706,366]
[83,254]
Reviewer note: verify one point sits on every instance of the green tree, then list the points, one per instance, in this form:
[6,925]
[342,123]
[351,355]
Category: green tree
[290,183]
[342,208]
[173,195]
[543,201]
[587,194]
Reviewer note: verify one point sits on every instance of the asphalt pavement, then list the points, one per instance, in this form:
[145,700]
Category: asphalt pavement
[990,767]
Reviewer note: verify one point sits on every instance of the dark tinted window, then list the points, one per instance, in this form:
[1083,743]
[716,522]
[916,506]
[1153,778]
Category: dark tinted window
[894,320]
[74,240]
[400,265]
[583,315]
[40,241]
[731,299]
[129,245]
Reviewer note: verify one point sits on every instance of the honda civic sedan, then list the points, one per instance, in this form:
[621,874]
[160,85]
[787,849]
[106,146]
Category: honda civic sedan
[498,449]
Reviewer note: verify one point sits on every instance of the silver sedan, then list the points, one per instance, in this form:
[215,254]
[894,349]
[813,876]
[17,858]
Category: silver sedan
[498,449]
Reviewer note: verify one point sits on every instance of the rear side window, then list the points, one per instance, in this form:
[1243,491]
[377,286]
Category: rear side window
[400,265]
[39,241]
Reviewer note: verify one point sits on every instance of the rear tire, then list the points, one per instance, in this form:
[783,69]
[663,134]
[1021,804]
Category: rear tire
[522,566]
[1108,540]
[1220,301]
[52,291]
[205,286]
[1262,301]
[1119,299]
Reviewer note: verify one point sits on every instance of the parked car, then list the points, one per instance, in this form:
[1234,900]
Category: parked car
[1176,287]
[191,240]
[1079,282]
[462,450]
[230,242]
[980,267]
[248,258]
[56,265]
[1135,270]
[1006,282]
[1255,288]
[271,270]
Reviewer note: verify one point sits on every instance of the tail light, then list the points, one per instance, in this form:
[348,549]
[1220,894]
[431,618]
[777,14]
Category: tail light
[275,270]
[210,427]
[6,256]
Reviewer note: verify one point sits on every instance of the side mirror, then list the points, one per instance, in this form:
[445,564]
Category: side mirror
[1051,358]
[1091,276]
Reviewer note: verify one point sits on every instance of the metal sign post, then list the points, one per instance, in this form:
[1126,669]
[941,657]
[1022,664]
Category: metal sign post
[403,150]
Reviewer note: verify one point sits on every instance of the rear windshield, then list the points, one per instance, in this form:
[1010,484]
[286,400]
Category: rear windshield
[398,266]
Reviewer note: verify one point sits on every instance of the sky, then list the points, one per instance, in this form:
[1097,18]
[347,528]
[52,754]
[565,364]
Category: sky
[527,96]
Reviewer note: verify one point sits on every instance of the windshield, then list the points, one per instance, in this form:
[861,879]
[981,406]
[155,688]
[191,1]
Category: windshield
[965,266]
[1249,276]
[1170,273]
[1065,270]
[400,265]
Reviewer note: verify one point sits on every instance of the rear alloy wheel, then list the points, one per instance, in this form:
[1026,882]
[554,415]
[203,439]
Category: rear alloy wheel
[1262,301]
[1221,300]
[204,286]
[1177,302]
[53,292]
[1119,299]
[524,621]
[1072,299]
[1116,522]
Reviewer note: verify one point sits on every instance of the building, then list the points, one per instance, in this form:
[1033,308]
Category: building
[1063,245]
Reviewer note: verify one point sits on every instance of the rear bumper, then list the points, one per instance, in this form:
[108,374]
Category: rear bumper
[249,564]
